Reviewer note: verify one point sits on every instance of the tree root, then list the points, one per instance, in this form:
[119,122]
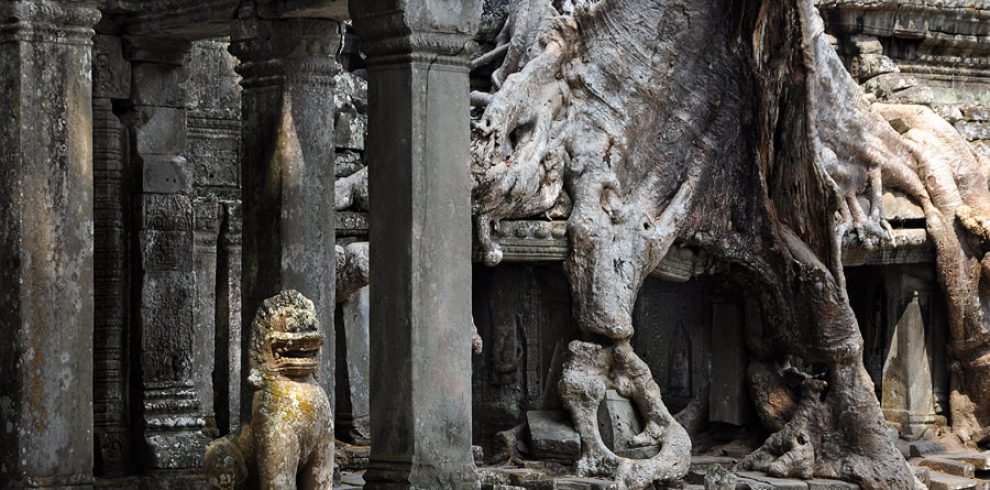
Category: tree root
[589,371]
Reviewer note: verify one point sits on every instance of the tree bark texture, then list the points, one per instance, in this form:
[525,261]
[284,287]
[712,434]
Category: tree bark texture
[729,126]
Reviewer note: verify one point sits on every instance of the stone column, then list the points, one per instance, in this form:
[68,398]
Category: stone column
[46,244]
[907,399]
[111,80]
[353,423]
[171,420]
[288,230]
[420,234]
[228,357]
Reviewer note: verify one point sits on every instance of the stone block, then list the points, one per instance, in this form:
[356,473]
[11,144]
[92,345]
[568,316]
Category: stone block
[922,474]
[165,174]
[755,480]
[111,71]
[719,478]
[826,484]
[346,162]
[976,113]
[159,130]
[925,448]
[907,398]
[166,250]
[942,481]
[898,88]
[552,436]
[950,466]
[155,84]
[166,212]
[867,66]
[585,484]
[979,459]
[728,399]
[618,423]
[973,130]
[151,50]
[866,44]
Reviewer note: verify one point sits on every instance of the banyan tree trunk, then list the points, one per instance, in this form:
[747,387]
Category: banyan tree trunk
[730,126]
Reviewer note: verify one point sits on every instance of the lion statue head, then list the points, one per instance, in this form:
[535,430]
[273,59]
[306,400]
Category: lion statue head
[285,339]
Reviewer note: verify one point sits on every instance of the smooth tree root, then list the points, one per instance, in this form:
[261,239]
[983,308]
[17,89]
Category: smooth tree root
[589,371]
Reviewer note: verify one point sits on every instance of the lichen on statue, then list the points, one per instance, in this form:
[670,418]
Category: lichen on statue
[289,441]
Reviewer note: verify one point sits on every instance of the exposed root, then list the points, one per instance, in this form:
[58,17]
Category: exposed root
[589,371]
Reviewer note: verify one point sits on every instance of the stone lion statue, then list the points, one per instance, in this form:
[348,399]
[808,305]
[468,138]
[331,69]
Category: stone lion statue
[289,441]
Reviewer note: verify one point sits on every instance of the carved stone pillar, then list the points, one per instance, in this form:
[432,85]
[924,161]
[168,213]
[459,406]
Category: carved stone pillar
[420,236]
[288,231]
[46,244]
[228,357]
[111,80]
[171,422]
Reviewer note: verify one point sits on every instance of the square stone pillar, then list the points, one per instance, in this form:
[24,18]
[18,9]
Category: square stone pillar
[420,234]
[46,244]
[287,177]
[171,420]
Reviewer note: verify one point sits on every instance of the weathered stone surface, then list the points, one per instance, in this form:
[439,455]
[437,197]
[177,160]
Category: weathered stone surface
[755,480]
[111,295]
[979,459]
[289,440]
[158,130]
[925,448]
[551,435]
[898,88]
[164,174]
[356,325]
[111,71]
[418,130]
[719,478]
[974,130]
[158,85]
[166,250]
[46,244]
[942,481]
[350,111]
[729,399]
[287,159]
[619,424]
[907,397]
[207,361]
[949,466]
[585,484]
[825,484]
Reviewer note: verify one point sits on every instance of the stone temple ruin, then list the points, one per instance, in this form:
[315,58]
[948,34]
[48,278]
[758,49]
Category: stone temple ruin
[547,244]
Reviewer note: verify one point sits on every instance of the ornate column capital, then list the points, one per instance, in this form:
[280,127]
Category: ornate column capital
[61,22]
[293,50]
[397,31]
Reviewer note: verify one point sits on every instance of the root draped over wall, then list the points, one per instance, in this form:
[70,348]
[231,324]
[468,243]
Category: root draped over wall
[730,126]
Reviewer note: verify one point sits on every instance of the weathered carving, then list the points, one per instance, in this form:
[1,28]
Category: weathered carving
[289,441]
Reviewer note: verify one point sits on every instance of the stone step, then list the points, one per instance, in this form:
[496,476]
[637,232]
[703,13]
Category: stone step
[825,484]
[584,484]
[944,481]
[979,459]
[950,466]
[755,480]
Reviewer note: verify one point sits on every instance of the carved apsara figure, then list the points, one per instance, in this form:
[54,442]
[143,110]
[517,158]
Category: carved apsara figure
[289,442]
